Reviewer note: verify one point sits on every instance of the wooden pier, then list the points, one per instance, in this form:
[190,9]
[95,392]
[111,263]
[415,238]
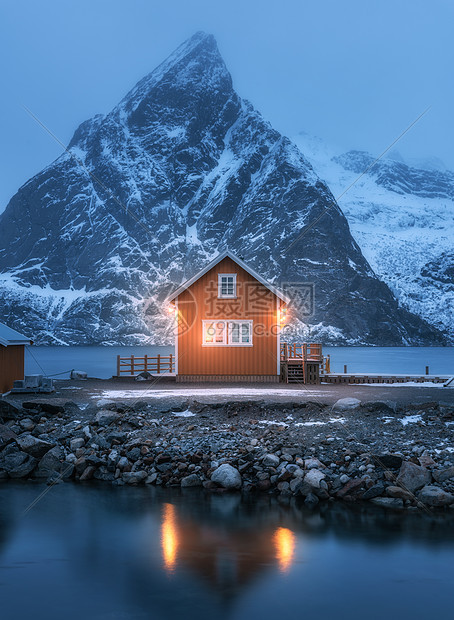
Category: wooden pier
[359,378]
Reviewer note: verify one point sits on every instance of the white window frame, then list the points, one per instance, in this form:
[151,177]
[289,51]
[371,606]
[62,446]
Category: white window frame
[227,333]
[226,275]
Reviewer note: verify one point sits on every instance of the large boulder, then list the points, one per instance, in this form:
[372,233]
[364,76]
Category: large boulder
[7,436]
[104,417]
[434,496]
[53,407]
[346,404]
[192,480]
[34,446]
[314,477]
[133,477]
[53,462]
[8,411]
[227,477]
[413,477]
[18,464]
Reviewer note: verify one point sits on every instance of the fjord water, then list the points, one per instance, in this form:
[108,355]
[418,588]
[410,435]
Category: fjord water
[144,553]
[100,361]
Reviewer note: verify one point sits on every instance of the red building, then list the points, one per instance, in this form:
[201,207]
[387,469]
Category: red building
[12,352]
[228,324]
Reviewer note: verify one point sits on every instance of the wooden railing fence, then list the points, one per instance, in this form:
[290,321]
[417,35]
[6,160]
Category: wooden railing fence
[156,365]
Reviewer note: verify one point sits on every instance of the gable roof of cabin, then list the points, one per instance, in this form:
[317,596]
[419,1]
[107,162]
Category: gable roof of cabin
[240,263]
[9,336]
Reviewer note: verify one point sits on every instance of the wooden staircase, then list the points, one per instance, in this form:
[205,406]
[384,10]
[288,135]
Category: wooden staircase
[300,363]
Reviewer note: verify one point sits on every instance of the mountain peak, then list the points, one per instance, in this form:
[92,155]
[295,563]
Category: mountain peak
[196,63]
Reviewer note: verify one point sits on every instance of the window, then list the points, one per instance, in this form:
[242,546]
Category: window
[227,285]
[227,333]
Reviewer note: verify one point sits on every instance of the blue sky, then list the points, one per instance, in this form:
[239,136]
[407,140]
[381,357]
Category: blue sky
[355,72]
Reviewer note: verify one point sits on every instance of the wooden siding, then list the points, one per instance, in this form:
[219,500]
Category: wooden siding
[11,366]
[253,302]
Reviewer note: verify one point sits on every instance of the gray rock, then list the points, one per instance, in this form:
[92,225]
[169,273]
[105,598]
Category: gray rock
[106,417]
[313,477]
[444,474]
[388,502]
[346,404]
[88,473]
[399,492]
[227,477]
[18,464]
[413,477]
[434,496]
[53,461]
[270,460]
[296,484]
[106,403]
[53,407]
[134,477]
[375,491]
[192,480]
[102,473]
[34,446]
[381,405]
[313,463]
[123,462]
[8,411]
[27,424]
[7,436]
[77,442]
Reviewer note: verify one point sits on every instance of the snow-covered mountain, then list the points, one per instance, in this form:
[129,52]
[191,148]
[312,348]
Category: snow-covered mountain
[402,217]
[179,170]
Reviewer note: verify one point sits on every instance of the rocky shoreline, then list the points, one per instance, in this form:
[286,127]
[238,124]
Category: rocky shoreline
[391,455]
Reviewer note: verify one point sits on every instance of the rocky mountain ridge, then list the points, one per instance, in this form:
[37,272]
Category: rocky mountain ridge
[180,170]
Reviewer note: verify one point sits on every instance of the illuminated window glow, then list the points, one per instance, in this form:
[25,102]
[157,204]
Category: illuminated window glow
[227,333]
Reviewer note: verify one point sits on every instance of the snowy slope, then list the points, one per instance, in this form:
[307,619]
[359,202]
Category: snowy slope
[179,170]
[403,220]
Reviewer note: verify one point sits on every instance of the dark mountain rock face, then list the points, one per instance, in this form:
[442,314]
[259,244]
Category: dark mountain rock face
[181,169]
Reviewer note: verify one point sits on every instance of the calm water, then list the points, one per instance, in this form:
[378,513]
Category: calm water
[140,553]
[101,361]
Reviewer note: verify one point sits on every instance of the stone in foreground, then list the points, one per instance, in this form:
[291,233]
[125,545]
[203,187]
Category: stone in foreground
[192,480]
[346,404]
[436,497]
[227,477]
[413,477]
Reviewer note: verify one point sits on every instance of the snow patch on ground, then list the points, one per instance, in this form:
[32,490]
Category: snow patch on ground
[183,414]
[212,392]
[412,419]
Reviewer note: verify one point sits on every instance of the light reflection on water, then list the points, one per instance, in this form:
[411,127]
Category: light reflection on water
[137,553]
[285,543]
[169,537]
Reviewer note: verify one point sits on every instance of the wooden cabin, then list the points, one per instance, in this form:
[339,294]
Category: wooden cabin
[228,324]
[12,355]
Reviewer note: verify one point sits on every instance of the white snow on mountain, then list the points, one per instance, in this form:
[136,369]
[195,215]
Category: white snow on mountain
[403,220]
